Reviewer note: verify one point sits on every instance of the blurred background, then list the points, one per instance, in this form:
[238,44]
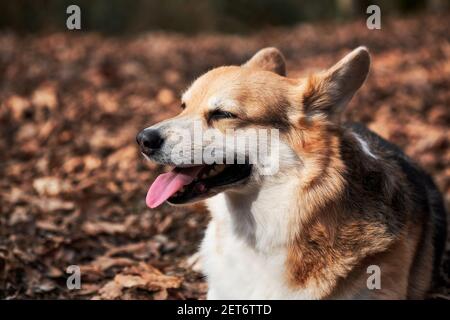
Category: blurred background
[72,181]
[194,16]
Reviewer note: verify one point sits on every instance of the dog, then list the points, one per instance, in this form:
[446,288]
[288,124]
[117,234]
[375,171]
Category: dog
[346,215]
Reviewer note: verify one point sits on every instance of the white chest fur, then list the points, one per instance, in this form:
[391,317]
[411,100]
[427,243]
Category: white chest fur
[244,251]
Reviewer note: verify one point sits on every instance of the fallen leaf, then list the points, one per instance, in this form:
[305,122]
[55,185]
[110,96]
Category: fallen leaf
[98,227]
[142,276]
[50,186]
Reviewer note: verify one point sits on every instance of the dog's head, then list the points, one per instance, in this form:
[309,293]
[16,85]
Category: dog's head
[231,113]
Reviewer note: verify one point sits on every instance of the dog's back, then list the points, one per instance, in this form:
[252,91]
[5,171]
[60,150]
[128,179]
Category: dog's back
[428,211]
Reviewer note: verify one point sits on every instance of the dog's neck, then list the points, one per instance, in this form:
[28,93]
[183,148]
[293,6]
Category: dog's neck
[259,215]
[271,214]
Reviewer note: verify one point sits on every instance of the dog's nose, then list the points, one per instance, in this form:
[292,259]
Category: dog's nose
[149,140]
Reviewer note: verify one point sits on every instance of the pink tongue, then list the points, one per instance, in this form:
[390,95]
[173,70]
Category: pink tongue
[167,184]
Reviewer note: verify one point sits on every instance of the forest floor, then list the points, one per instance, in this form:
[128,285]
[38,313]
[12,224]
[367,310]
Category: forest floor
[72,181]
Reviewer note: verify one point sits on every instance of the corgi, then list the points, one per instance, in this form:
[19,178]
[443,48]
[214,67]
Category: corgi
[344,210]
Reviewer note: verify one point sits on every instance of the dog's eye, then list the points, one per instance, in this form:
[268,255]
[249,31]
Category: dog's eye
[220,114]
[183,105]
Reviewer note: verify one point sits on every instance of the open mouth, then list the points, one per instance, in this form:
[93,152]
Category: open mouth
[184,184]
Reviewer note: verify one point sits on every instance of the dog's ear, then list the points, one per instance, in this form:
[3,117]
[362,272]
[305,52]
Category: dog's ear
[329,91]
[269,59]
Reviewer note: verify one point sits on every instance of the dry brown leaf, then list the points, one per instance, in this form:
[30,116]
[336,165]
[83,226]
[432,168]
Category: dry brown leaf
[165,96]
[142,276]
[98,227]
[103,263]
[87,289]
[110,291]
[140,250]
[18,106]
[53,204]
[48,226]
[19,215]
[45,96]
[153,277]
[50,186]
